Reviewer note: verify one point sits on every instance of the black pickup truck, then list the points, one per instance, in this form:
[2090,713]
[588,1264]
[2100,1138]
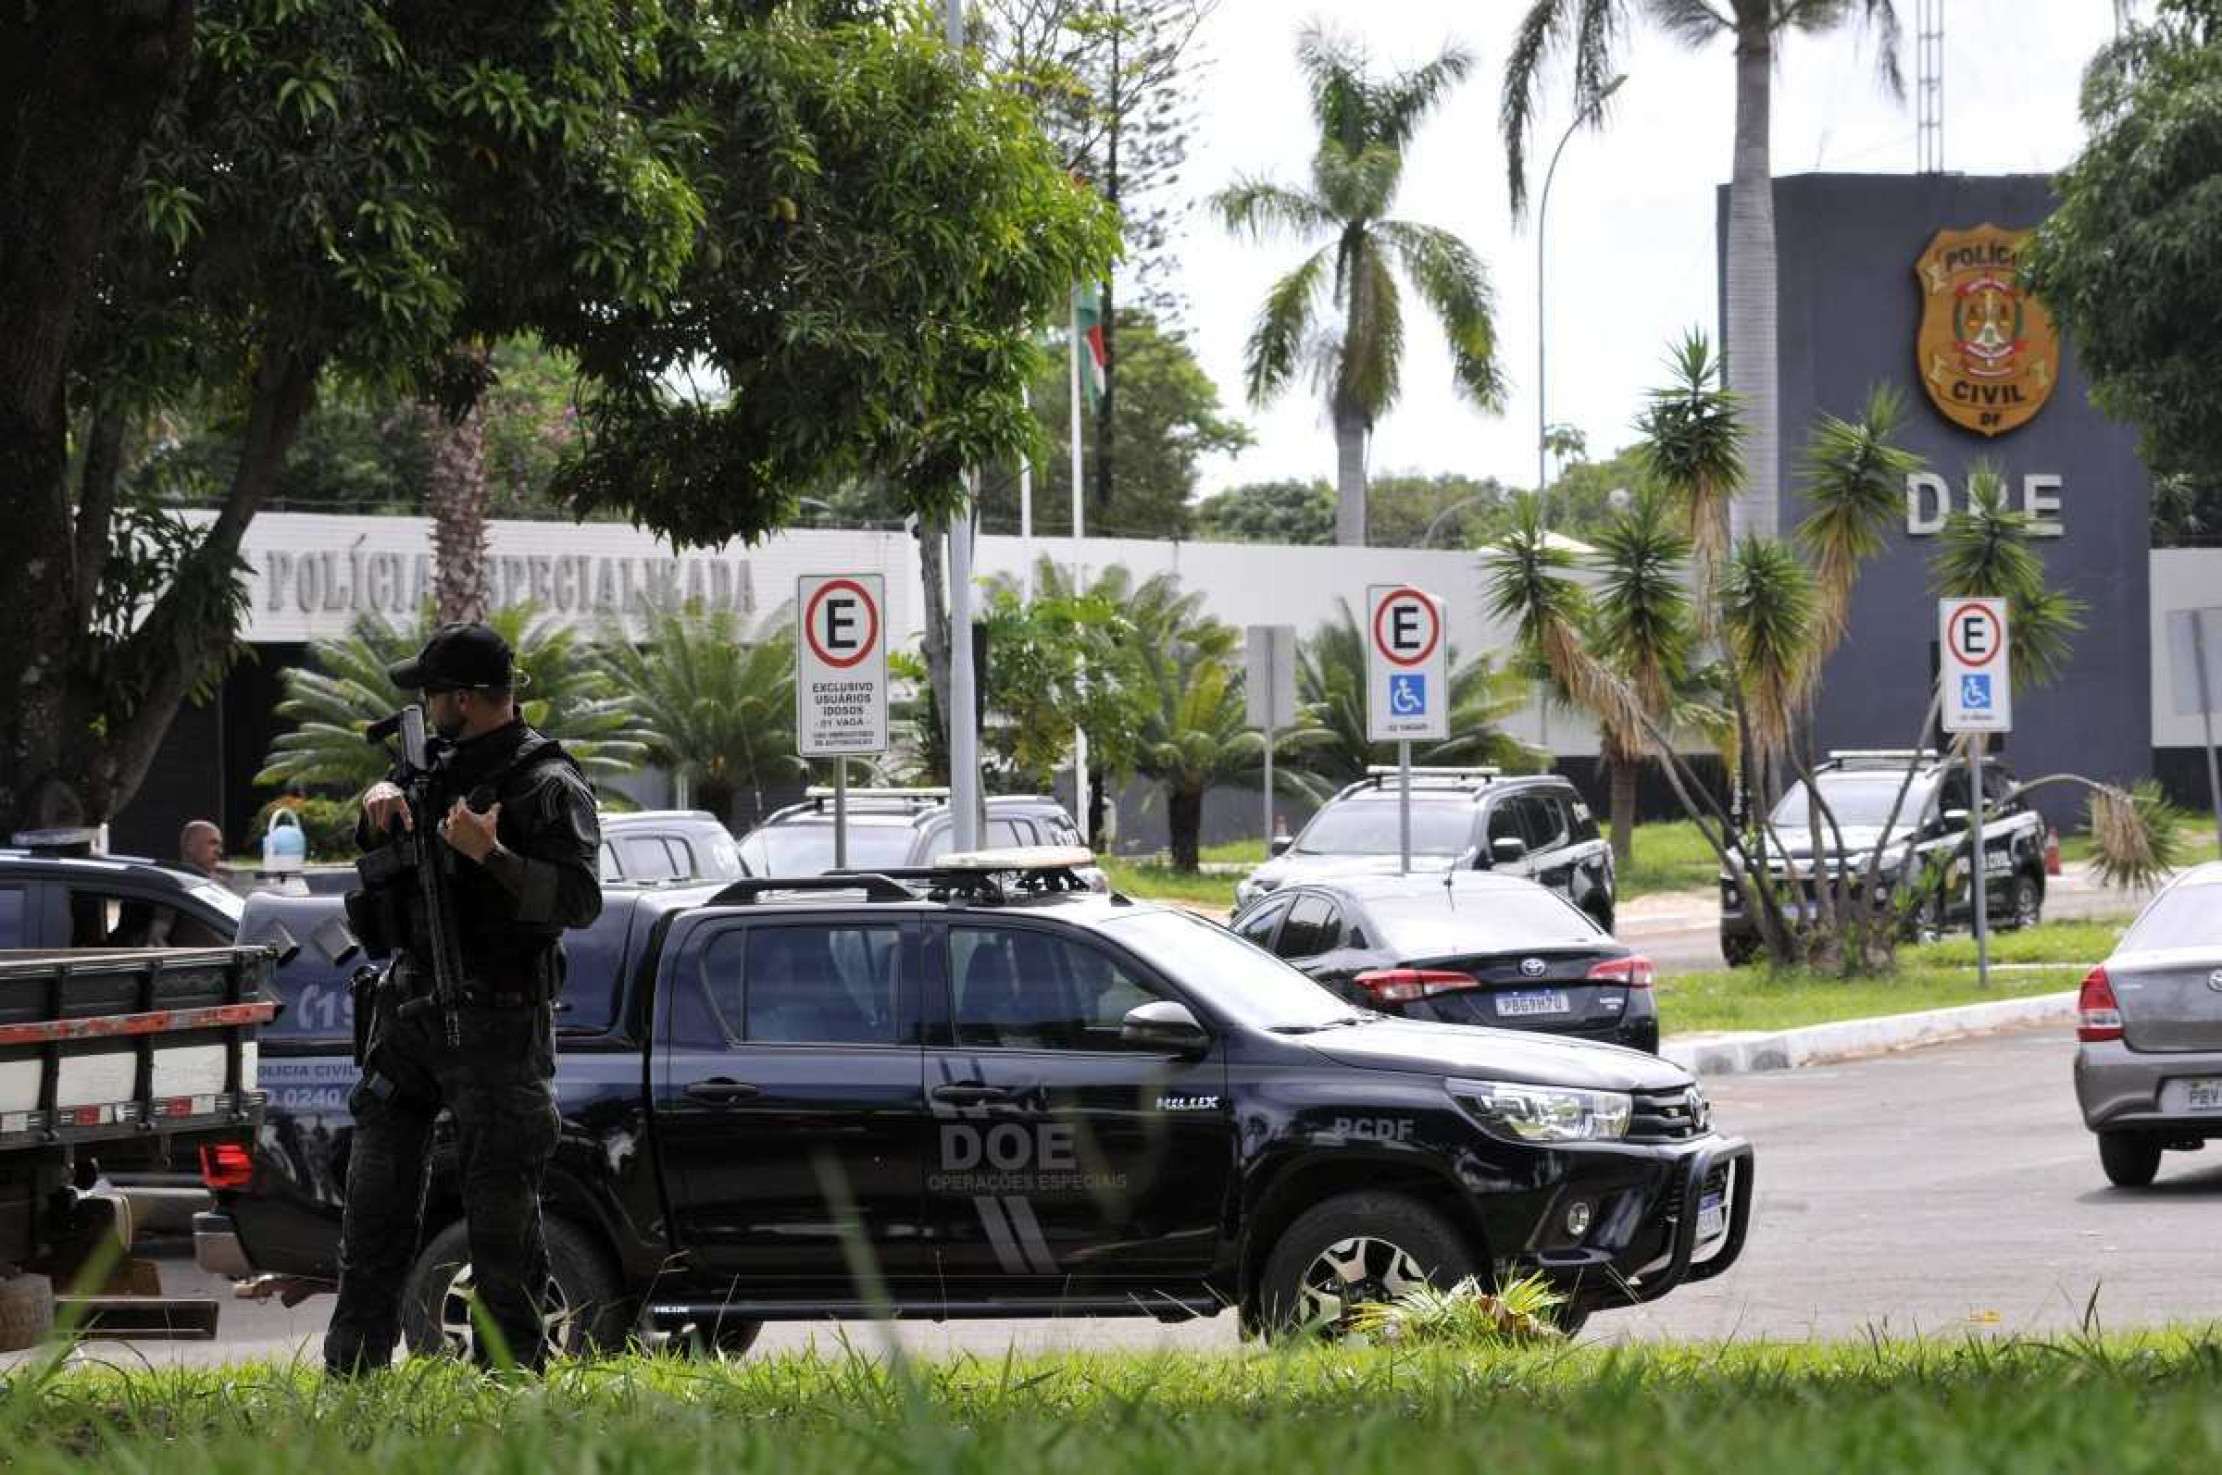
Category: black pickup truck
[1011,1097]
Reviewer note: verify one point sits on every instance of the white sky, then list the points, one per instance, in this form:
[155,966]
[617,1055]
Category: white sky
[1631,219]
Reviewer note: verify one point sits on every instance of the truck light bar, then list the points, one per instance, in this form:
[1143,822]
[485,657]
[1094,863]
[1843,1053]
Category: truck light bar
[1390,770]
[923,796]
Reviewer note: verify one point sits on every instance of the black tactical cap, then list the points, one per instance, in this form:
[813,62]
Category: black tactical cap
[458,657]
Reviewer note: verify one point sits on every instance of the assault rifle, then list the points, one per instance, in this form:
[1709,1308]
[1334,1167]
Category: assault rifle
[422,852]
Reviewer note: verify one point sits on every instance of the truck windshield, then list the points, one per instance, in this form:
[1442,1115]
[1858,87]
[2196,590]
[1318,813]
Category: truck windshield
[1244,980]
[1368,827]
[807,849]
[1858,801]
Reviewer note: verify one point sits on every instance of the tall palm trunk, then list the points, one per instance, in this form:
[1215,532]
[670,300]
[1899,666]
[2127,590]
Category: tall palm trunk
[455,495]
[1750,332]
[1625,769]
[1184,817]
[1350,476]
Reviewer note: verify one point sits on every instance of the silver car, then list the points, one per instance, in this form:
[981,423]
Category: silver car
[2148,1068]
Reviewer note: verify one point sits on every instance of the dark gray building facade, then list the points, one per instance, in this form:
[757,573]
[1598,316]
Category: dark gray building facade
[1850,311]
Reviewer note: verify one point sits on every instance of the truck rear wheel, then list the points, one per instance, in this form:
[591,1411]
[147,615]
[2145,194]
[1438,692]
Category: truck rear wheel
[26,1311]
[583,1307]
[1355,1248]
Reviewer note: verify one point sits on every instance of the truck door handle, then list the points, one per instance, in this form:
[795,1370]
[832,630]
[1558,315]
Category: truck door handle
[722,1092]
[971,1095]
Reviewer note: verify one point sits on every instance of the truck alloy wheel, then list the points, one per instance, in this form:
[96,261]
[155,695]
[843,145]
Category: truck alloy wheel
[459,1333]
[582,1308]
[1351,1272]
[1352,1249]
[2029,904]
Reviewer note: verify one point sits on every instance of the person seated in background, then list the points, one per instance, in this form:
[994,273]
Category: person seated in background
[200,849]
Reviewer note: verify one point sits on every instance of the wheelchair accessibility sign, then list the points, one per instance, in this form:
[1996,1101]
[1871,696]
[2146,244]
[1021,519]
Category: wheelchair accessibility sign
[1976,665]
[1407,665]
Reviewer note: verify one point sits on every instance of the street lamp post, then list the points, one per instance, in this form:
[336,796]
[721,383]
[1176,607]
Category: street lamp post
[1586,113]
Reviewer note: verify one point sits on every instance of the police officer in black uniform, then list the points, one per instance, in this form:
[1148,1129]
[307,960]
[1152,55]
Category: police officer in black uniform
[521,845]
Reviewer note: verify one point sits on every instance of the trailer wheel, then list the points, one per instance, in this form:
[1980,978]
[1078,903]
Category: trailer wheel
[26,1311]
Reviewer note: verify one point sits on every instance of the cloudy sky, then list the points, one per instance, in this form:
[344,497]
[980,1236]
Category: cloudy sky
[1631,259]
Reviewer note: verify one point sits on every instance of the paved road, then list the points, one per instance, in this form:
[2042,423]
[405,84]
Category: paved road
[1938,1191]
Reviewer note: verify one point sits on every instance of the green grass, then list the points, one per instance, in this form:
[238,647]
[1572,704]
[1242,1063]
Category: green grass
[1755,998]
[1150,882]
[1235,852]
[2023,1406]
[2196,833]
[2051,942]
[1668,855]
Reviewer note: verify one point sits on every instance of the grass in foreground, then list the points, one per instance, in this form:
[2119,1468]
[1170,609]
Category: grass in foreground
[2120,1405]
[1755,998]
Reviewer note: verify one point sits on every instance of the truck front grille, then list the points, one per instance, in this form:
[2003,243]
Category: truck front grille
[1669,1116]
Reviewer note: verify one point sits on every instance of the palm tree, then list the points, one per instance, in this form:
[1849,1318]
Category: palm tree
[1331,686]
[1591,30]
[1365,125]
[720,700]
[344,689]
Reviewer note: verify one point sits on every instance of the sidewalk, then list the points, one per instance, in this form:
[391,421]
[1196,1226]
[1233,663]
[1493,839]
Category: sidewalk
[1744,1052]
[2077,890]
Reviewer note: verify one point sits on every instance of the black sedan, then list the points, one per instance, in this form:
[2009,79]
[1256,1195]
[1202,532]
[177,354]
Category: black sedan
[1462,947]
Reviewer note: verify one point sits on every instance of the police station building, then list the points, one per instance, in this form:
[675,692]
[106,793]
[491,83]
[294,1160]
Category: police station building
[1902,279]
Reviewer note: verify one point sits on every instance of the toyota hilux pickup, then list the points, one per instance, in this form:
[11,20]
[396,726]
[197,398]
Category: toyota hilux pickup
[980,1089]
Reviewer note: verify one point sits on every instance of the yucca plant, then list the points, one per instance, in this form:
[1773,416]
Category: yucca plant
[719,699]
[1463,1316]
[343,689]
[1644,628]
[1693,444]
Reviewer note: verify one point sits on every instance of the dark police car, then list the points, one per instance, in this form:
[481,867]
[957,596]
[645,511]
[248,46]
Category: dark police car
[1925,872]
[1029,1099]
[1530,825]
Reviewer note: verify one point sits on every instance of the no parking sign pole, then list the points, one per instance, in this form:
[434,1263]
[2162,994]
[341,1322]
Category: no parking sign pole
[1407,685]
[1978,701]
[840,680]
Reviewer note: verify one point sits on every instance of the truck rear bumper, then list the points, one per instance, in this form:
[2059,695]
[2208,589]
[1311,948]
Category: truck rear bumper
[216,1246]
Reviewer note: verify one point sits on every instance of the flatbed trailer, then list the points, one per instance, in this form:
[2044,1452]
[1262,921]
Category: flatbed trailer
[139,1058]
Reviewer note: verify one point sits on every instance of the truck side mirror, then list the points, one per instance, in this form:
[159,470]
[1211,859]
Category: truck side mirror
[1163,1025]
[1954,817]
[1507,848]
[1279,845]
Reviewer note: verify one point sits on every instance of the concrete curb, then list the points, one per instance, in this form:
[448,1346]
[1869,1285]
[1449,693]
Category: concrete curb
[1743,1052]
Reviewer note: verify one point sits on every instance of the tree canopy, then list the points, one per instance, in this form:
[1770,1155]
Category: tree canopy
[784,242]
[2131,262]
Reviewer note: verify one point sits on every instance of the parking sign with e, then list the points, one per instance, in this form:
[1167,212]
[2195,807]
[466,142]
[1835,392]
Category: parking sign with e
[1407,665]
[1978,692]
[840,665]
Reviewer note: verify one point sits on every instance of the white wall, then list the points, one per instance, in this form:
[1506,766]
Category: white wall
[312,574]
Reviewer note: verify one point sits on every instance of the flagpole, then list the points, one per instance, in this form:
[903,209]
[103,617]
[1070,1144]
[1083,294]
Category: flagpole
[1026,510]
[1079,576]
